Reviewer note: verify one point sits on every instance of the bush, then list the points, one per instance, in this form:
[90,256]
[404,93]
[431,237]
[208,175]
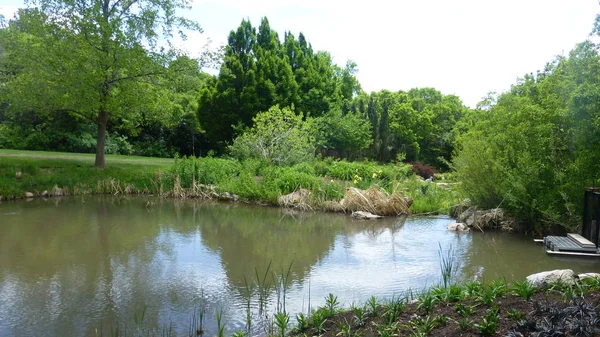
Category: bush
[279,136]
[423,170]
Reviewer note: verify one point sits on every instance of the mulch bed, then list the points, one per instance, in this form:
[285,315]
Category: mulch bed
[535,311]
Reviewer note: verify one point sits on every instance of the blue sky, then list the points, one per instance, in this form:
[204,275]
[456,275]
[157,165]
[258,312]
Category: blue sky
[462,47]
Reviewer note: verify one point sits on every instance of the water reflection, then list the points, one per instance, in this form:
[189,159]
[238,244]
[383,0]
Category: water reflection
[68,267]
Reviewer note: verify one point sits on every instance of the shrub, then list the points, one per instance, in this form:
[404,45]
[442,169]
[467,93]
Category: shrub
[423,170]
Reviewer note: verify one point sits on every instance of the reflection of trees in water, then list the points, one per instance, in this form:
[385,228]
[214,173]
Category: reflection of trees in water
[86,247]
[108,254]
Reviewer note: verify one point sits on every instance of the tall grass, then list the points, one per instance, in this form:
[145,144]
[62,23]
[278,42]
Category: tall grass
[447,265]
[252,180]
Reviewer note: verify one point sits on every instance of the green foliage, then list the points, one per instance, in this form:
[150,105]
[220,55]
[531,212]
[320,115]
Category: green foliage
[464,310]
[424,325]
[515,314]
[465,323]
[426,302]
[301,322]
[282,321]
[535,148]
[318,320]
[277,135]
[372,305]
[489,323]
[74,174]
[393,308]
[331,304]
[94,62]
[524,289]
[344,132]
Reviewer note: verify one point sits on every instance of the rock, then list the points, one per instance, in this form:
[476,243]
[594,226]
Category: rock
[213,195]
[29,195]
[542,279]
[492,218]
[466,214]
[588,275]
[18,174]
[364,215]
[44,194]
[1,198]
[458,227]
[226,196]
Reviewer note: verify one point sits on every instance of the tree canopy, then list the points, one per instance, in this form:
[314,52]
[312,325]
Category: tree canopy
[93,59]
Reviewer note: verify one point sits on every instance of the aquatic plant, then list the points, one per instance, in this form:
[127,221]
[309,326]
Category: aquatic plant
[447,265]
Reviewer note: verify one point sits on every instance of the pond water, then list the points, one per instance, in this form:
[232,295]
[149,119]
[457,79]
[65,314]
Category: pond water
[81,266]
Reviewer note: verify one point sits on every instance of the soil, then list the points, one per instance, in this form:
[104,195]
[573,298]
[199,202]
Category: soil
[507,326]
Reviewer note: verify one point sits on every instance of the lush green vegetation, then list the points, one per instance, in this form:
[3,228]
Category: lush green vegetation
[96,79]
[169,106]
[534,148]
[35,172]
[252,179]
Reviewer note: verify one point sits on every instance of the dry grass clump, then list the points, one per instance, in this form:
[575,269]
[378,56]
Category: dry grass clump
[375,201]
[298,199]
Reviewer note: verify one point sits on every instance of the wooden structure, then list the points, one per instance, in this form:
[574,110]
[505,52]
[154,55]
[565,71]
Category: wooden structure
[588,242]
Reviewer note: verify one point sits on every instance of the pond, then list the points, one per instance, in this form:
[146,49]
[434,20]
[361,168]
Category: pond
[81,266]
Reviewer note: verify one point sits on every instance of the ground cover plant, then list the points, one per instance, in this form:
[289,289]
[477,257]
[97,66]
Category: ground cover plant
[512,310]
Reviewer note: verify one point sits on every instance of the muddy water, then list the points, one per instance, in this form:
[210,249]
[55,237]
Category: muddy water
[76,267]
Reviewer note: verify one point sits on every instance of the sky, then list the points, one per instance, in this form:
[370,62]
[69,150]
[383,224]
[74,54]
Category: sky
[463,47]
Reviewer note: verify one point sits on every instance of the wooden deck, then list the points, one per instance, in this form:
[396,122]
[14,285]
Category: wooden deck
[566,244]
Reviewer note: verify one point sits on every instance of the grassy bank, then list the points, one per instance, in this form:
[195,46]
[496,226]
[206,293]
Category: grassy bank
[253,181]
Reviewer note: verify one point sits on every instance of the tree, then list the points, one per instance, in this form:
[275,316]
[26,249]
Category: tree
[93,58]
[343,133]
[278,135]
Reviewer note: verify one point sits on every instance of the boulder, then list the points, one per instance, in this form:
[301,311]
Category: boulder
[45,194]
[542,279]
[466,214]
[588,275]
[364,215]
[491,218]
[458,227]
[29,195]
[226,196]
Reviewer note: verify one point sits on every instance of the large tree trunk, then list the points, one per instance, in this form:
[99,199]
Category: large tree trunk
[101,140]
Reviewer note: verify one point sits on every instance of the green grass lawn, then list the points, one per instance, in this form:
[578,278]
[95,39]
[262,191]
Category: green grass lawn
[40,171]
